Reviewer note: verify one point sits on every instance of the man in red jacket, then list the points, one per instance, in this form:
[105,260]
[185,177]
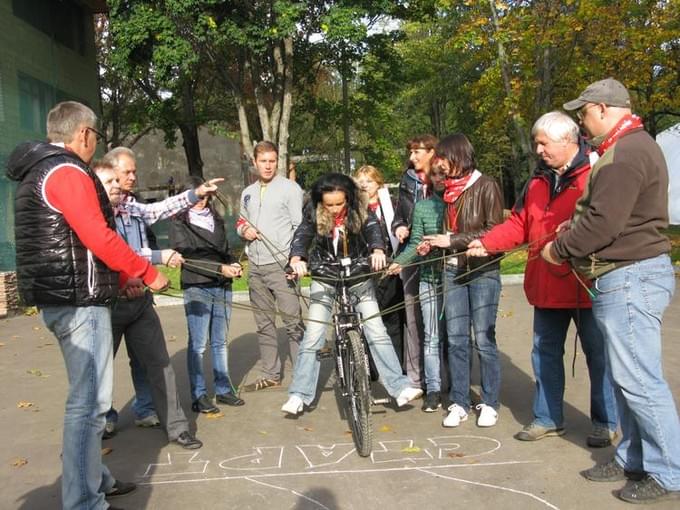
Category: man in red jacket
[548,199]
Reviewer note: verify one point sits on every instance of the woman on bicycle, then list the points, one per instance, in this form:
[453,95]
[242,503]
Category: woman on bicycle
[472,286]
[336,225]
[388,288]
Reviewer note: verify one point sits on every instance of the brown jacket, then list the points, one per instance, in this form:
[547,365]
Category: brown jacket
[617,220]
[480,208]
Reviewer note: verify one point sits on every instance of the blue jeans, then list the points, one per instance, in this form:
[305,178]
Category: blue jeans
[208,311]
[431,301]
[84,335]
[547,357]
[322,297]
[472,301]
[629,307]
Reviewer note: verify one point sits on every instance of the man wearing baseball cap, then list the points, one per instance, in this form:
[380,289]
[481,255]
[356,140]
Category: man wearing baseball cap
[614,240]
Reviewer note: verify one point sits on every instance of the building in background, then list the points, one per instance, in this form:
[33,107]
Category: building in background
[47,55]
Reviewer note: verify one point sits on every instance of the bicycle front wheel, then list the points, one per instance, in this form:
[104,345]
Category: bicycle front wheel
[358,399]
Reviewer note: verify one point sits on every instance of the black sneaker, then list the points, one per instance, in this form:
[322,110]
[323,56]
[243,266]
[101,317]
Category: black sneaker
[647,490]
[432,402]
[204,405]
[230,399]
[186,440]
[611,472]
[121,488]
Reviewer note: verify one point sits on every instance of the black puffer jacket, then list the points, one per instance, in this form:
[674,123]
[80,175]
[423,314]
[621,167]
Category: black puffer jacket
[53,266]
[313,242]
[211,248]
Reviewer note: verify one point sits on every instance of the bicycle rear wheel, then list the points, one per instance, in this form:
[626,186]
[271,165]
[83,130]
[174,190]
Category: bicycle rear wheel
[358,399]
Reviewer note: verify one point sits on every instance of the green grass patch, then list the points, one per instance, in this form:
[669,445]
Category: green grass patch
[239,283]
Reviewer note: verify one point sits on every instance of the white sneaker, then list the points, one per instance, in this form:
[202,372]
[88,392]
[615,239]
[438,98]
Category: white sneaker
[455,416]
[293,405]
[487,416]
[148,421]
[408,394]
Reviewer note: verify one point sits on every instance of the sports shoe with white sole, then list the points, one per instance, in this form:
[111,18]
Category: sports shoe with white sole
[487,416]
[408,394]
[148,421]
[293,406]
[456,415]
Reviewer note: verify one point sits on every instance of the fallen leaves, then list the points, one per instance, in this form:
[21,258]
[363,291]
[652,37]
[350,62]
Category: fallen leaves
[22,404]
[106,451]
[19,462]
[36,372]
[454,455]
[385,428]
[214,416]
[411,449]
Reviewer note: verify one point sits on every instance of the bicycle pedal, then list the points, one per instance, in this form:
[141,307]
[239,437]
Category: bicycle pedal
[324,354]
[380,401]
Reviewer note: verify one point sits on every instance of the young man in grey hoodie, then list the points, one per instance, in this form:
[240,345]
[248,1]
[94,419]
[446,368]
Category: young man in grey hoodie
[271,210]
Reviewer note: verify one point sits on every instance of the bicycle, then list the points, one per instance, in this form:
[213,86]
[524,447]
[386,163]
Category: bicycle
[352,365]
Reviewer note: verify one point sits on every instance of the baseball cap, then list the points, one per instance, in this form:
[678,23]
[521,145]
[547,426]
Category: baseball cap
[608,91]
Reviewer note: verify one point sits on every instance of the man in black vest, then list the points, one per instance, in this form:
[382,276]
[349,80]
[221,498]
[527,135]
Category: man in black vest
[68,262]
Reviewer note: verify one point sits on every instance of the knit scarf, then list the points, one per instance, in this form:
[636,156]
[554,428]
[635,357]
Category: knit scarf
[627,123]
[454,188]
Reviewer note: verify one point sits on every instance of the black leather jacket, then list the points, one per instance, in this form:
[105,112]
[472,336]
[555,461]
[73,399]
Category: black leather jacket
[313,242]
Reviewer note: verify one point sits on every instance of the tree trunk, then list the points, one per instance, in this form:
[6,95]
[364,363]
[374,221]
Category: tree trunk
[347,162]
[286,107]
[189,130]
[523,137]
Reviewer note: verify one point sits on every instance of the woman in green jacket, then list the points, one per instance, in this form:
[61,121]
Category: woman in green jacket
[428,219]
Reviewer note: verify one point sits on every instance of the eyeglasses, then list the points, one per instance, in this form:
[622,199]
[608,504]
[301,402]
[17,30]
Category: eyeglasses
[99,136]
[581,113]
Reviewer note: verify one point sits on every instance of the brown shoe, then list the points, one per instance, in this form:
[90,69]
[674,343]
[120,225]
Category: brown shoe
[262,384]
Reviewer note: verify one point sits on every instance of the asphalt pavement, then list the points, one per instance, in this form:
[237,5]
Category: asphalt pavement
[255,458]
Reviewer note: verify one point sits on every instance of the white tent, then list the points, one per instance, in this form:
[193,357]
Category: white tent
[669,141]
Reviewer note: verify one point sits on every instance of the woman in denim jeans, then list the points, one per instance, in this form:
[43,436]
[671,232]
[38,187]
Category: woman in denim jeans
[199,234]
[428,219]
[472,286]
[336,224]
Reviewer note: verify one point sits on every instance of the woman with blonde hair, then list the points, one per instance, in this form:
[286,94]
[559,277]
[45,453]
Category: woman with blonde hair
[389,290]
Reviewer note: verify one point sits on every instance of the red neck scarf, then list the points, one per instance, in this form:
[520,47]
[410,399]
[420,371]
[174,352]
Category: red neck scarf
[339,219]
[454,189]
[627,123]
[373,206]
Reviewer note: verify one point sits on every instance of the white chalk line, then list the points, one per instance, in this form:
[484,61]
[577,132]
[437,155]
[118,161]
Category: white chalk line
[335,472]
[294,492]
[488,485]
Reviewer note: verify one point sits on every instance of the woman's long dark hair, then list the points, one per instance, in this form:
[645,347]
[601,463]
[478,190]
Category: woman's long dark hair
[458,151]
[331,182]
[328,183]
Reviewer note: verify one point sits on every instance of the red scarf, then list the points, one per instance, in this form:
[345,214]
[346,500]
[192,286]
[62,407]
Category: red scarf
[627,123]
[454,189]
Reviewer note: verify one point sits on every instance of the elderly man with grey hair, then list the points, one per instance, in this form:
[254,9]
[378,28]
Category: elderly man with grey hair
[68,262]
[558,297]
[156,397]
